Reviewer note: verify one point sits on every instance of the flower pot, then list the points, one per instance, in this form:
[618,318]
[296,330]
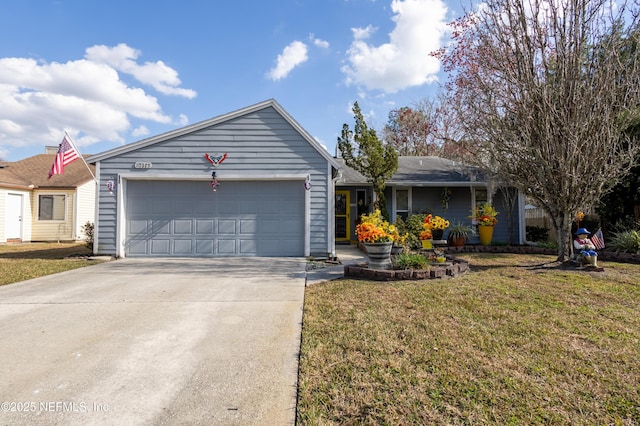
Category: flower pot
[457,241]
[437,234]
[427,244]
[485,232]
[379,255]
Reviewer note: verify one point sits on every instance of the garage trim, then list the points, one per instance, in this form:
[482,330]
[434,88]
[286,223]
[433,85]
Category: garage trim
[125,177]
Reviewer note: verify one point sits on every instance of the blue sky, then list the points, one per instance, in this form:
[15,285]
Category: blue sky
[115,72]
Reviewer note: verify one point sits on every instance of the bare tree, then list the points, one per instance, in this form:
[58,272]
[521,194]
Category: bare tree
[409,129]
[544,90]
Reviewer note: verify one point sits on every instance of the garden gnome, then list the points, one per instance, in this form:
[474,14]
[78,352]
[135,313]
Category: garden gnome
[586,247]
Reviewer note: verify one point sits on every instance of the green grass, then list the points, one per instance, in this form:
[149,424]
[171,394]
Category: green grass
[19,262]
[517,341]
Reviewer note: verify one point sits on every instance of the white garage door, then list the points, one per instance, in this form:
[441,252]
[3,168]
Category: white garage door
[242,218]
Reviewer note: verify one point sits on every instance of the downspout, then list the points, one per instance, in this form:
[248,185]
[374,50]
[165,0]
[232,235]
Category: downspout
[332,215]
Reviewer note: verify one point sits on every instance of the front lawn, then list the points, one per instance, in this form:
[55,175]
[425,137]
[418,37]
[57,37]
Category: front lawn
[515,341]
[19,262]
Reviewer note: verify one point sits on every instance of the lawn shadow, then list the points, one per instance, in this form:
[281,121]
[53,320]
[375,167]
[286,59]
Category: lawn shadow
[52,253]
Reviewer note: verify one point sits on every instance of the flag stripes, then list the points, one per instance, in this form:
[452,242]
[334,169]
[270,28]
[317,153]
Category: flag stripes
[598,239]
[66,154]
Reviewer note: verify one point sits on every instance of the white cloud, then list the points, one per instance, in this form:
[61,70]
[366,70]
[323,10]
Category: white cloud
[140,131]
[292,56]
[323,44]
[156,74]
[39,100]
[404,60]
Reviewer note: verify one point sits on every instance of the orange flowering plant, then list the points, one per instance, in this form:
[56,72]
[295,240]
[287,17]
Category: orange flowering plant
[426,235]
[374,229]
[484,214]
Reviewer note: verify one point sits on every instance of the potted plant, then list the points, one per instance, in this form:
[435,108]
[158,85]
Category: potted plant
[484,216]
[427,239]
[459,233]
[437,225]
[377,235]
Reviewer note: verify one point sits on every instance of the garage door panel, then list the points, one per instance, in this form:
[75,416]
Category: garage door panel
[227,227]
[137,247]
[186,218]
[248,226]
[182,247]
[138,226]
[248,247]
[227,247]
[204,226]
[204,247]
[182,226]
[160,247]
[161,227]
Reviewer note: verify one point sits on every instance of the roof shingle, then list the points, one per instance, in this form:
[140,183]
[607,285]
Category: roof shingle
[35,171]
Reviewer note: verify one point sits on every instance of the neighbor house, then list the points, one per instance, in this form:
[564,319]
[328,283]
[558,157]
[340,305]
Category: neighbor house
[35,208]
[426,185]
[251,182]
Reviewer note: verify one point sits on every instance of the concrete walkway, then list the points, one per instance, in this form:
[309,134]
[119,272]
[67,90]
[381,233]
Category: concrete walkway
[347,254]
[154,341]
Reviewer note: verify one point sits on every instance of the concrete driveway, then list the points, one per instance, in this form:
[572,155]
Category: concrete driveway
[159,341]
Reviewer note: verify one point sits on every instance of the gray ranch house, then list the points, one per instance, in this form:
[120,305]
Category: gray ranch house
[251,182]
[427,185]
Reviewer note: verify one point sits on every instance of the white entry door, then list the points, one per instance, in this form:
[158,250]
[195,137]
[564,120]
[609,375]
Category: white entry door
[13,217]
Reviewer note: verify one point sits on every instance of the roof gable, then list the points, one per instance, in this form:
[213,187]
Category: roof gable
[33,172]
[271,103]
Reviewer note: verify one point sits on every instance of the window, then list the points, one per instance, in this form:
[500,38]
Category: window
[402,203]
[481,196]
[51,207]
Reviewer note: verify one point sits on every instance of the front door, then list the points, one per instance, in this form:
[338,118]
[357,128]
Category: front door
[342,216]
[13,218]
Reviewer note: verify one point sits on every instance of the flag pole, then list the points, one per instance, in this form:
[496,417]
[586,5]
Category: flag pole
[80,155]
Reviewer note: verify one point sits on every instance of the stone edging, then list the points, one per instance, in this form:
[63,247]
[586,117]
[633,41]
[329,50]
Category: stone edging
[453,268]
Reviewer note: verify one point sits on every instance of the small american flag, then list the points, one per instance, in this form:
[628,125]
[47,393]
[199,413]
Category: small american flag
[67,154]
[597,239]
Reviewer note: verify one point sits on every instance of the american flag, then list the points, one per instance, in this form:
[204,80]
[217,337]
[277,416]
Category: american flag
[67,154]
[597,239]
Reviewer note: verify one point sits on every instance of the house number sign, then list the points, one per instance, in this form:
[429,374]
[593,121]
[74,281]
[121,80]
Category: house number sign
[143,165]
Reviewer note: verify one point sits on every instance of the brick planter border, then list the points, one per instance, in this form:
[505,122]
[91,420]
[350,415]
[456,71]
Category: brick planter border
[454,269]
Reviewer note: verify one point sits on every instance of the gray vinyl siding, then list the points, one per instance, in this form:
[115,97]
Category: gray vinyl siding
[259,143]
